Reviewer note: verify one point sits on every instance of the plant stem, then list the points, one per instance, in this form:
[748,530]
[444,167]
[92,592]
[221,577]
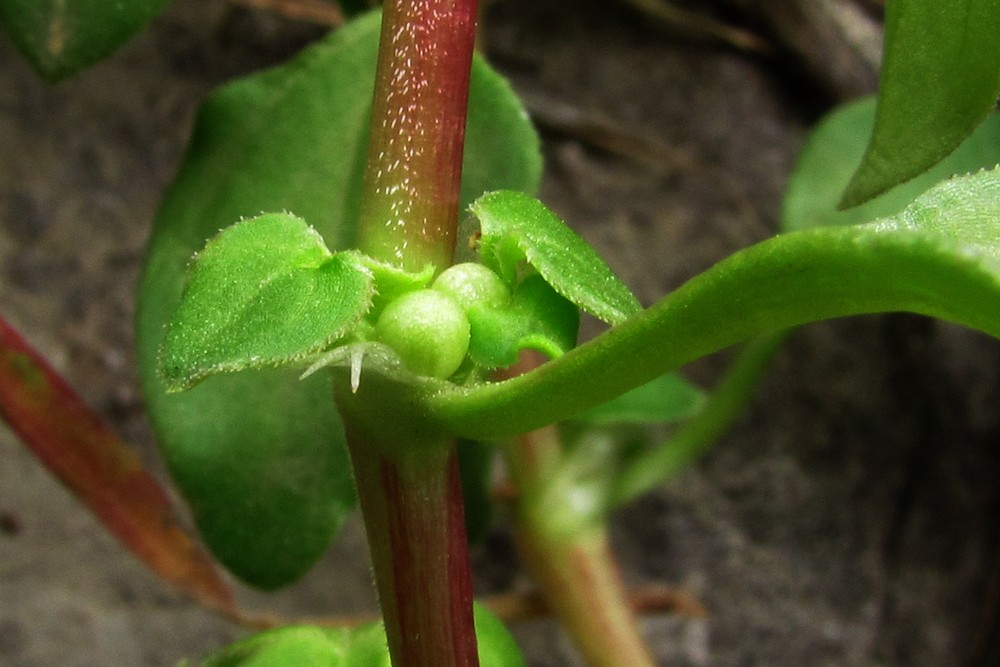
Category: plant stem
[408,484]
[565,546]
[412,506]
[574,568]
[410,197]
[107,476]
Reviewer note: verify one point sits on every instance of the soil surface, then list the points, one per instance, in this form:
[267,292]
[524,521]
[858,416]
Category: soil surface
[848,519]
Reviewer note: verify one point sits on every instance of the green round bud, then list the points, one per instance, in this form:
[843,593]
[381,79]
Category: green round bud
[473,284]
[428,330]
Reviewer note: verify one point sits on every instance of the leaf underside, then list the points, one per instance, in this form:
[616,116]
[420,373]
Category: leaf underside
[940,79]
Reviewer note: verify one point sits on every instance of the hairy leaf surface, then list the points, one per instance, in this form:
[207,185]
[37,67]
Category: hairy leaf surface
[259,454]
[517,228]
[834,151]
[263,293]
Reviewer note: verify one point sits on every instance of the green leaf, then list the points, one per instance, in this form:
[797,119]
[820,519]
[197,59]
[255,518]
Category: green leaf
[63,37]
[292,646]
[643,469]
[538,318]
[263,293]
[517,228]
[940,79]
[497,647]
[259,455]
[835,149]
[666,399]
[363,646]
[939,257]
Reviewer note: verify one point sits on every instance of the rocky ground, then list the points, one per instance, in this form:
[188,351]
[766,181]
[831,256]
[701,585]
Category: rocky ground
[847,520]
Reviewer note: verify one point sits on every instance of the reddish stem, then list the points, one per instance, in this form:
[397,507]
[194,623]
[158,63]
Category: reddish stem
[410,197]
[79,448]
[412,506]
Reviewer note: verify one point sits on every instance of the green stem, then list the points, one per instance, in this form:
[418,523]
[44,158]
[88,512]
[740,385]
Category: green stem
[565,546]
[411,189]
[408,482]
[581,583]
[571,560]
[783,282]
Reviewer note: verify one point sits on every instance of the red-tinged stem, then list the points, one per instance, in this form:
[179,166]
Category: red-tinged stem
[572,563]
[408,485]
[411,188]
[582,585]
[567,552]
[412,507]
[104,473]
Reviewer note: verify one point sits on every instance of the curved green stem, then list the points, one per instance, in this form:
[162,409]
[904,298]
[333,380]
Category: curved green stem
[564,545]
[783,282]
[571,561]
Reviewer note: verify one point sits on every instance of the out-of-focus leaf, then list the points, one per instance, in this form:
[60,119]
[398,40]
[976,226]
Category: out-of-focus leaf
[79,448]
[292,646]
[940,79]
[363,646]
[259,455]
[834,151]
[62,37]
[518,228]
[497,647]
[666,399]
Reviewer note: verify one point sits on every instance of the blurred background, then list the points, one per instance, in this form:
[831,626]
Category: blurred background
[848,518]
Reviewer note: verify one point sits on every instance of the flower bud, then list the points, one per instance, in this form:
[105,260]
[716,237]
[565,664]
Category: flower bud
[428,330]
[473,284]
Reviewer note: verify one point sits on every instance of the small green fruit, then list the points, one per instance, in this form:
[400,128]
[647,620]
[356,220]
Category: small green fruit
[428,330]
[473,284]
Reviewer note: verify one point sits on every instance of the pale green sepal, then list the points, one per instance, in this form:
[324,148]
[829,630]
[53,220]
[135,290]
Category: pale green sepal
[392,282]
[537,318]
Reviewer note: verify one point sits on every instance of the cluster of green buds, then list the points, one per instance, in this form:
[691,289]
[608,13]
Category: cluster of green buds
[429,328]
[267,292]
